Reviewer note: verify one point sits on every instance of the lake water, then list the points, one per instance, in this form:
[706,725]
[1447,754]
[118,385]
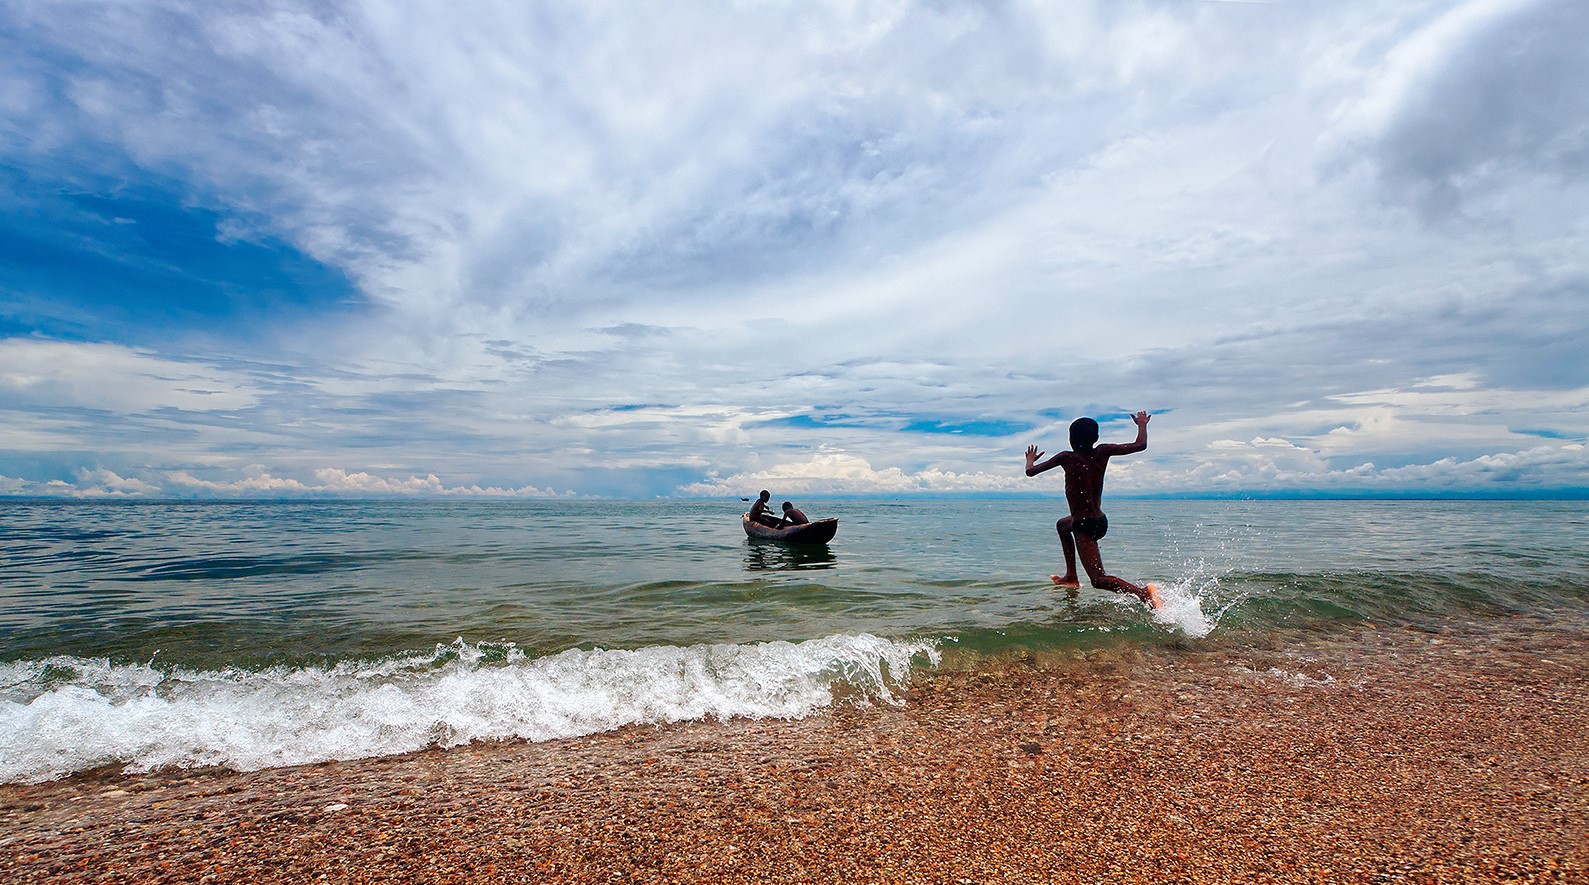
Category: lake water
[271,633]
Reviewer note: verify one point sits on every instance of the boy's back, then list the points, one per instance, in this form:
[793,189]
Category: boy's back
[1084,472]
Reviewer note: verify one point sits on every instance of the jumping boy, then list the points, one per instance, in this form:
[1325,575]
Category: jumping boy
[1085,526]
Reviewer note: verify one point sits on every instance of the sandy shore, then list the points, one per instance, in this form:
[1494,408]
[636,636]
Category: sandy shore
[1385,755]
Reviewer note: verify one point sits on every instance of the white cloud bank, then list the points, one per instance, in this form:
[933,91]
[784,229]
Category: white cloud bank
[1262,466]
[838,473]
[259,483]
[336,481]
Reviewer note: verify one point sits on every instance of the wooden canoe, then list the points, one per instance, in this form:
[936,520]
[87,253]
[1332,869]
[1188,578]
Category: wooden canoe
[818,531]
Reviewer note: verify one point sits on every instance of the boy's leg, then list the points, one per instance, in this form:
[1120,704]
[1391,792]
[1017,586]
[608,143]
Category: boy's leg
[1068,579]
[1092,561]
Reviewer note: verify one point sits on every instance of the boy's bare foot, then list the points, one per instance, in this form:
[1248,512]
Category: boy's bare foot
[1153,596]
[1067,581]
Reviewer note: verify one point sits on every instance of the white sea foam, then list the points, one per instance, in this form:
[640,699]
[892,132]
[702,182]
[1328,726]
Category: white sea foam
[63,715]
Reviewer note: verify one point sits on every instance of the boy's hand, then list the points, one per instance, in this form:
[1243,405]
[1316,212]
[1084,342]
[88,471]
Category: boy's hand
[1140,419]
[1032,454]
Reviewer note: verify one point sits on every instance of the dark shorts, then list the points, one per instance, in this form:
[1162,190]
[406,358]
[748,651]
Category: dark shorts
[1094,527]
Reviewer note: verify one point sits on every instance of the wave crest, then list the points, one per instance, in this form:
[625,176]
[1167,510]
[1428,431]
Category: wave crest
[62,715]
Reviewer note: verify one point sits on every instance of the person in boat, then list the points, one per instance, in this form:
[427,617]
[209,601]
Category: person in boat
[760,512]
[1080,532]
[792,515]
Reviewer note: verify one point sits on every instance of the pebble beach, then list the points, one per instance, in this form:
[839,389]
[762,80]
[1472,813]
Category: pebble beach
[1374,755]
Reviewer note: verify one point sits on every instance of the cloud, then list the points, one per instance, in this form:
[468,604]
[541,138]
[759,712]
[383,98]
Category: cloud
[1483,93]
[336,481]
[106,484]
[1544,467]
[89,484]
[629,251]
[1258,467]
[112,378]
[1531,470]
[258,482]
[831,473]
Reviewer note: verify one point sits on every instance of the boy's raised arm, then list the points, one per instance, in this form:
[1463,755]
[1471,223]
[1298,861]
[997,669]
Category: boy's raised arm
[1141,420]
[1032,467]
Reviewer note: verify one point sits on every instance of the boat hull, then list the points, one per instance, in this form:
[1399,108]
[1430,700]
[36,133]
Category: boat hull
[818,531]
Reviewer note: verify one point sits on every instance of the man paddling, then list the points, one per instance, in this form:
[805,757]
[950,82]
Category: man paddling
[1086,525]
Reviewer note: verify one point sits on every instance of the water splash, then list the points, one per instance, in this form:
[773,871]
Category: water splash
[1191,602]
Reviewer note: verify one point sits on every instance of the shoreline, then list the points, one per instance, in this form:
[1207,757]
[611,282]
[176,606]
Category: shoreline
[1373,755]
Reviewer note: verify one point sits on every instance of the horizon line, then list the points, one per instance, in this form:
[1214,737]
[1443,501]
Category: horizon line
[1567,494]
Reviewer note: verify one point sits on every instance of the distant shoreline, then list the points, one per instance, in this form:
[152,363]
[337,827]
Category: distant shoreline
[1450,756]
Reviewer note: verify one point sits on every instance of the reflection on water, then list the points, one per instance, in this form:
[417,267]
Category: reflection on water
[763,555]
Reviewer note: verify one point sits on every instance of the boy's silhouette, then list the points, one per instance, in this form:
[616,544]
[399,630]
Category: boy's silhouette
[1086,525]
[760,512]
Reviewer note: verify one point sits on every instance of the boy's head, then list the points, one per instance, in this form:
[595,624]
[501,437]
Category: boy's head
[1083,433]
[765,495]
[787,506]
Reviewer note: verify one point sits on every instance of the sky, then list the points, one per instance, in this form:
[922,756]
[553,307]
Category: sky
[606,249]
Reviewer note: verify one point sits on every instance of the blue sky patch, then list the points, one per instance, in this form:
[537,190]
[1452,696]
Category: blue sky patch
[973,427]
[993,428]
[136,263]
[812,422]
